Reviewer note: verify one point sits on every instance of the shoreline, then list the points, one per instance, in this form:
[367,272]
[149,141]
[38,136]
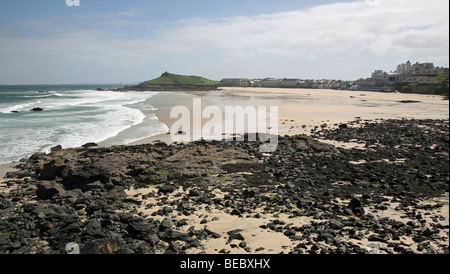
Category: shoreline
[304,111]
[7,167]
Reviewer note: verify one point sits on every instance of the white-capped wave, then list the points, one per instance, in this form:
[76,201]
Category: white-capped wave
[18,107]
[70,119]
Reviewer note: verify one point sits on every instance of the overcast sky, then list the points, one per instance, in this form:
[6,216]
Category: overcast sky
[112,41]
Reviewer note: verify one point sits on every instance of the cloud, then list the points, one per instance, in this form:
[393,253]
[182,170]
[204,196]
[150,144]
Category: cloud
[103,15]
[364,28]
[373,27]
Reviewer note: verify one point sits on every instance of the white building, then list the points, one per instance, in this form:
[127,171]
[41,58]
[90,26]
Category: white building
[404,68]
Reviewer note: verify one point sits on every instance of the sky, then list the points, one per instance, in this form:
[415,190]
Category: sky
[116,41]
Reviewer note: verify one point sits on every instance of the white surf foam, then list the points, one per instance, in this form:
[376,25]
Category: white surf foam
[70,119]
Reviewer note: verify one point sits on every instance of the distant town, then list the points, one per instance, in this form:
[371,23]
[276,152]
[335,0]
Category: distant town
[408,77]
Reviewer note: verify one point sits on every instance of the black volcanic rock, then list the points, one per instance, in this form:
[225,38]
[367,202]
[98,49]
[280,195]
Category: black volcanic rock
[80,195]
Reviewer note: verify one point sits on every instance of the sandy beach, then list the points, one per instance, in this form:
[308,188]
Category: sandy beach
[300,110]
[5,168]
[227,197]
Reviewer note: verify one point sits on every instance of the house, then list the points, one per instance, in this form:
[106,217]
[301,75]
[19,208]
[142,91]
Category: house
[235,82]
[290,83]
[391,78]
[404,68]
[270,83]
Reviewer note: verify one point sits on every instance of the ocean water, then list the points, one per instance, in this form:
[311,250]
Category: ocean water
[73,115]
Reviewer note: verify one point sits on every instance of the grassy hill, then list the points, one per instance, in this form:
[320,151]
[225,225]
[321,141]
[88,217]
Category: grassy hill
[169,79]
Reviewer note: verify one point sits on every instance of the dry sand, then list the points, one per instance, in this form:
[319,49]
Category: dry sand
[264,241]
[301,110]
[314,107]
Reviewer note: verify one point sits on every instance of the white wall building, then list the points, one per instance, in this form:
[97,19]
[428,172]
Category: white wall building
[404,68]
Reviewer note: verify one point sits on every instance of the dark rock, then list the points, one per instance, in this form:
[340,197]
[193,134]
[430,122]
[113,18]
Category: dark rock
[89,145]
[56,148]
[55,168]
[195,193]
[235,235]
[409,101]
[335,224]
[78,177]
[47,190]
[167,188]
[19,174]
[212,233]
[236,212]
[81,192]
[37,109]
[378,238]
[166,223]
[355,203]
[243,244]
[289,233]
[94,228]
[92,186]
[176,235]
[356,206]
[140,230]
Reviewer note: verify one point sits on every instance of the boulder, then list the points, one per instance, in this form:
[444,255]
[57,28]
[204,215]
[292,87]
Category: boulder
[89,145]
[46,190]
[167,188]
[166,223]
[140,230]
[356,206]
[336,224]
[195,193]
[83,175]
[55,168]
[56,148]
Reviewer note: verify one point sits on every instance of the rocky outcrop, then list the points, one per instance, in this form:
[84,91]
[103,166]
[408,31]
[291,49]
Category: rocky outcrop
[79,195]
[167,88]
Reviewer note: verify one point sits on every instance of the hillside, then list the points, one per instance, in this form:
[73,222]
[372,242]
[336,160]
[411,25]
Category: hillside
[173,82]
[169,79]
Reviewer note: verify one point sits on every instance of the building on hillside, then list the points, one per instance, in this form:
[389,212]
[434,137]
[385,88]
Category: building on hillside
[421,66]
[404,68]
[410,79]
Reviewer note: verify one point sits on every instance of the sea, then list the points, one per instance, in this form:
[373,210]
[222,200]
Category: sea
[72,116]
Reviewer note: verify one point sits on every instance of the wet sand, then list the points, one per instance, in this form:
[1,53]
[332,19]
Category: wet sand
[5,168]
